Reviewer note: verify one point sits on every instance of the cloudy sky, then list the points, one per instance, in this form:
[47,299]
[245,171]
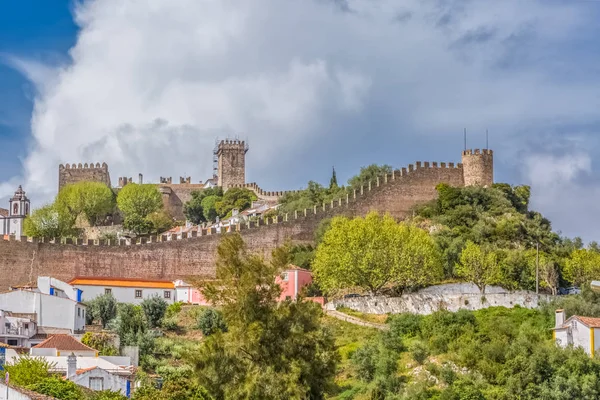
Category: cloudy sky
[148,85]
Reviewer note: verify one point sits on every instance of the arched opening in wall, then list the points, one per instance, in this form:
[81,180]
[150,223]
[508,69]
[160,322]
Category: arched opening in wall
[26,209]
[15,209]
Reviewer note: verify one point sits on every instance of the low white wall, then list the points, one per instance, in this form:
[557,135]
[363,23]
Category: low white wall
[427,303]
[13,394]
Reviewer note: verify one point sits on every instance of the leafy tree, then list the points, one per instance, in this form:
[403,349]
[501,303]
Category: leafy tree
[58,388]
[161,221]
[108,395]
[92,200]
[211,322]
[137,202]
[209,207]
[28,370]
[154,308]
[478,266]
[374,252]
[271,350]
[583,267]
[102,308]
[369,173]
[235,198]
[101,341]
[49,222]
[193,209]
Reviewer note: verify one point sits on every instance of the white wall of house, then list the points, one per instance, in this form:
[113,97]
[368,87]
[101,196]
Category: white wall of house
[126,294]
[561,337]
[45,352]
[62,289]
[52,311]
[596,340]
[13,394]
[104,378]
[182,293]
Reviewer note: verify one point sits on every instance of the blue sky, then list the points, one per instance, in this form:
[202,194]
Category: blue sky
[148,86]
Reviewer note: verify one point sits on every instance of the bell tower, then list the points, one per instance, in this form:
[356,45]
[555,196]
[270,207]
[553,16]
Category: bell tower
[17,211]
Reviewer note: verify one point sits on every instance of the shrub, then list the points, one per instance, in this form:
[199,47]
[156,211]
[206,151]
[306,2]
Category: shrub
[58,388]
[419,352]
[364,360]
[211,321]
[102,341]
[108,395]
[28,370]
[154,308]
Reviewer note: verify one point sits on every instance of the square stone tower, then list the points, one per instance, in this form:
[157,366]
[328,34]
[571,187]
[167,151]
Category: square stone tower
[68,174]
[231,155]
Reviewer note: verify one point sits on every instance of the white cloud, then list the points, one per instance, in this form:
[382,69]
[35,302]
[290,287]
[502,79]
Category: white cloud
[152,83]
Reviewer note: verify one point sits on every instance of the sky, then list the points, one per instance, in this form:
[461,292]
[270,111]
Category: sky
[148,86]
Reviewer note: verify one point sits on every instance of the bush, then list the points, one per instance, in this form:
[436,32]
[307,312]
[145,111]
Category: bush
[169,323]
[102,341]
[102,308]
[364,360]
[108,395]
[211,321]
[419,352]
[28,370]
[154,308]
[58,388]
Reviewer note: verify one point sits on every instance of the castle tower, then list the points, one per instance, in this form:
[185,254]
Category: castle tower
[231,155]
[68,174]
[478,167]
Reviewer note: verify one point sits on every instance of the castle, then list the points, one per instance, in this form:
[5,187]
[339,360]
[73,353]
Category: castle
[184,257]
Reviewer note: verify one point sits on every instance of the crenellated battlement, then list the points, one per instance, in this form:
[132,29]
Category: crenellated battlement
[103,166]
[265,195]
[474,152]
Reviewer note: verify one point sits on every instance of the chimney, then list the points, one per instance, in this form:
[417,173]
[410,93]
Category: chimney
[71,367]
[141,178]
[560,318]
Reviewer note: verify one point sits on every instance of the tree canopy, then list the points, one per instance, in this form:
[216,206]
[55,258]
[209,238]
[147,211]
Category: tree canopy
[375,252]
[139,203]
[91,200]
[49,222]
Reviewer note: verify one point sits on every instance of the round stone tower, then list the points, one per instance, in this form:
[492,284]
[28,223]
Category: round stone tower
[478,167]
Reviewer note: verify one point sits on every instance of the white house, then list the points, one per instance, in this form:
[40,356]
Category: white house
[11,220]
[52,304]
[125,290]
[577,331]
[16,330]
[82,364]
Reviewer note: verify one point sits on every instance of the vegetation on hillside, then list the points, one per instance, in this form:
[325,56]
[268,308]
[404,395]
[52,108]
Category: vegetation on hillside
[208,204]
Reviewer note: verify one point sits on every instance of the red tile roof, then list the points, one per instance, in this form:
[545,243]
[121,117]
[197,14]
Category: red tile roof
[3,212]
[122,282]
[63,343]
[84,370]
[589,321]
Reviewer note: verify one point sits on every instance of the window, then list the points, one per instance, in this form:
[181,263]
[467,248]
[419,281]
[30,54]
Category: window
[25,326]
[12,342]
[78,312]
[167,294]
[284,276]
[138,294]
[107,291]
[15,209]
[97,384]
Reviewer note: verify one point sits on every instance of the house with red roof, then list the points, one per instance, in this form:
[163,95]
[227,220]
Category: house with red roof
[577,331]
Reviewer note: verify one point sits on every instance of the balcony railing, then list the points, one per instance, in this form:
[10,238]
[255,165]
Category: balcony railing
[15,331]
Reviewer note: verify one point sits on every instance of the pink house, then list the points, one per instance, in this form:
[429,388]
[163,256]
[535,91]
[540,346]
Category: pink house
[292,281]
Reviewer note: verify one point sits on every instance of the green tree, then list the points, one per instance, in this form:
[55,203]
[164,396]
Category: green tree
[92,200]
[193,209]
[137,202]
[478,266]
[161,221]
[374,252]
[101,341]
[369,174]
[102,308]
[209,207]
[28,370]
[49,222]
[583,267]
[154,308]
[271,350]
[333,184]
[235,198]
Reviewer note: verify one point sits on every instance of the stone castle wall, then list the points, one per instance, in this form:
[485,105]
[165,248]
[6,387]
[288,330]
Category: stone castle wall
[478,167]
[68,174]
[395,194]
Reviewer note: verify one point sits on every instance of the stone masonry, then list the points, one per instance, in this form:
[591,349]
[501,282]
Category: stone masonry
[68,174]
[395,194]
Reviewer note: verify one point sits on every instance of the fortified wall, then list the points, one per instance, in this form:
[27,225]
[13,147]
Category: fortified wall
[157,258]
[68,174]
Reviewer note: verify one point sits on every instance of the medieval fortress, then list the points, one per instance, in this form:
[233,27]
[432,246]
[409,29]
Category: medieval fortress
[183,257]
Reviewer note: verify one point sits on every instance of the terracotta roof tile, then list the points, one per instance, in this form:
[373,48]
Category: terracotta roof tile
[589,321]
[63,343]
[3,212]
[123,282]
[84,370]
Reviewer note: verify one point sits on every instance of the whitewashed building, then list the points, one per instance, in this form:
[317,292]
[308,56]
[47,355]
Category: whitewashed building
[125,290]
[52,304]
[16,330]
[577,331]
[11,220]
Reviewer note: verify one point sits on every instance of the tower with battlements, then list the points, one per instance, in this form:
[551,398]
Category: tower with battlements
[73,173]
[231,158]
[478,167]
